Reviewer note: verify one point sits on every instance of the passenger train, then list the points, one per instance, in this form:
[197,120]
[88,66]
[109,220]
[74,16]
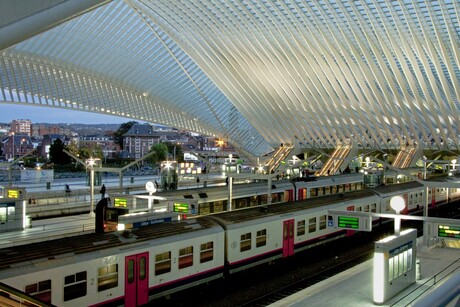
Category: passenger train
[215,199]
[131,268]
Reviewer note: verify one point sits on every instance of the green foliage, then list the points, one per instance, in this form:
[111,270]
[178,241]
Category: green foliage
[161,153]
[179,154]
[87,152]
[57,155]
[118,135]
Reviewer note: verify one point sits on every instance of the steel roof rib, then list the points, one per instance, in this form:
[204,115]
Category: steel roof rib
[256,72]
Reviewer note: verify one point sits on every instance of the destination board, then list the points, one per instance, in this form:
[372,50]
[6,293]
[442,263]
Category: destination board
[449,231]
[348,222]
[120,202]
[182,208]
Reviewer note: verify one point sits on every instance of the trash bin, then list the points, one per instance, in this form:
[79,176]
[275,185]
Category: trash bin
[48,185]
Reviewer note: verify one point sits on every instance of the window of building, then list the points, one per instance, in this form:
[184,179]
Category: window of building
[206,252]
[163,263]
[74,286]
[300,228]
[312,225]
[261,238]
[40,290]
[245,243]
[185,257]
[107,277]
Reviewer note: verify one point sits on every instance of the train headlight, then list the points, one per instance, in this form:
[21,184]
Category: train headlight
[120,227]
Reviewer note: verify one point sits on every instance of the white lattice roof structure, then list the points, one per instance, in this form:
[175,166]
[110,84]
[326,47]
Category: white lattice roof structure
[256,72]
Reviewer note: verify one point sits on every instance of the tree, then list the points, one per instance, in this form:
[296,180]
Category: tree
[178,153]
[161,153]
[57,155]
[118,135]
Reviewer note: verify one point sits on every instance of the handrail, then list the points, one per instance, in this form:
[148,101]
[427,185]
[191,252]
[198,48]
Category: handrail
[435,279]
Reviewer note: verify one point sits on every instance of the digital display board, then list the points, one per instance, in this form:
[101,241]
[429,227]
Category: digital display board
[348,222]
[449,231]
[13,194]
[120,202]
[182,208]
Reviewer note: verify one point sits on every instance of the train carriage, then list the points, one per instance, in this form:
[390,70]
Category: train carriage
[328,185]
[263,234]
[111,269]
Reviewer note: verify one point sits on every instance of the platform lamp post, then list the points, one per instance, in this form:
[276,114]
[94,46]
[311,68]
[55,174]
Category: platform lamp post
[90,165]
[397,203]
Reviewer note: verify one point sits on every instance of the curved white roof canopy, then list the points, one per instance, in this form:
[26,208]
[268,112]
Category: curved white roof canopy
[257,72]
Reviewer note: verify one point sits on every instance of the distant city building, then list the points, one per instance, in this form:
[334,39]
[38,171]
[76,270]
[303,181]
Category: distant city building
[47,141]
[16,145]
[40,130]
[22,126]
[141,137]
[105,143]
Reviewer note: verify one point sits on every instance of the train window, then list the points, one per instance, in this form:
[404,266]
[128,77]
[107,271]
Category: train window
[207,252]
[204,208]
[40,290]
[322,222]
[163,263]
[300,228]
[374,208]
[263,199]
[253,201]
[130,277]
[74,286]
[261,239]
[312,225]
[358,209]
[142,268]
[366,208]
[275,198]
[245,243]
[219,206]
[313,192]
[185,257]
[107,277]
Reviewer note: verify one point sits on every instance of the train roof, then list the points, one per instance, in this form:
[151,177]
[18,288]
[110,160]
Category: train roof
[253,213]
[395,188]
[78,245]
[240,189]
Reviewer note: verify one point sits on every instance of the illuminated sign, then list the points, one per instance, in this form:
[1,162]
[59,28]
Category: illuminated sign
[120,202]
[13,193]
[348,222]
[449,231]
[182,208]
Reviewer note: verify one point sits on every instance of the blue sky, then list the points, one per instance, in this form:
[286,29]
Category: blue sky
[38,114]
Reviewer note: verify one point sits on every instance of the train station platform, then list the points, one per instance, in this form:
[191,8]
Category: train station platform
[354,287]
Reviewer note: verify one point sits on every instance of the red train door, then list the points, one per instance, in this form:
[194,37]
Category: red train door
[288,238]
[136,280]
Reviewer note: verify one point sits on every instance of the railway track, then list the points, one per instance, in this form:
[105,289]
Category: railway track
[310,280]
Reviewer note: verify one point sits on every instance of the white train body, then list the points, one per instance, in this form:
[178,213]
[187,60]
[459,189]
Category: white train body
[126,273]
[99,269]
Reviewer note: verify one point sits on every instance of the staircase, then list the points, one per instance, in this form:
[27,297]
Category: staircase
[405,157]
[280,154]
[336,160]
